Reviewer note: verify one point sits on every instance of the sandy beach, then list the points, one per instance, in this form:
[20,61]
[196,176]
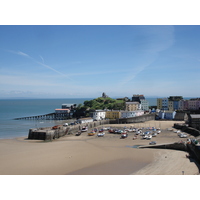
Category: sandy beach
[92,155]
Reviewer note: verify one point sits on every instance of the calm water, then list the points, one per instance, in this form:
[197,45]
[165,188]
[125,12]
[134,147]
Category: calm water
[10,109]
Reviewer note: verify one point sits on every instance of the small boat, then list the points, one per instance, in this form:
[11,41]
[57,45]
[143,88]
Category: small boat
[158,132]
[149,137]
[145,136]
[128,130]
[101,134]
[135,137]
[84,129]
[79,133]
[91,133]
[152,142]
[138,132]
[124,135]
[182,135]
[120,131]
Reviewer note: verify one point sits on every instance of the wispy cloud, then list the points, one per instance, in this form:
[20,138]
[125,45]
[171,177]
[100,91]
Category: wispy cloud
[20,53]
[42,59]
[23,54]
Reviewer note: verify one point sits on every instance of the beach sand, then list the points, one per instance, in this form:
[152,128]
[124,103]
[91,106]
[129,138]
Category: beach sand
[92,155]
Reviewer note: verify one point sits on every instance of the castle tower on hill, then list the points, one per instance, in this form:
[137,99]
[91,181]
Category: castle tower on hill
[104,95]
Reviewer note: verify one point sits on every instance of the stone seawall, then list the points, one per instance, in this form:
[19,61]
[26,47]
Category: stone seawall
[139,119]
[195,150]
[187,129]
[174,146]
[50,133]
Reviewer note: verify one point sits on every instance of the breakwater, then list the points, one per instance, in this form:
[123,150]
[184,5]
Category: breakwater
[174,146]
[138,119]
[51,133]
[187,129]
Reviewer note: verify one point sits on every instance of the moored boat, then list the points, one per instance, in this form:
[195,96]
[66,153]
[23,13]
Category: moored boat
[149,137]
[124,135]
[79,133]
[84,129]
[101,134]
[91,133]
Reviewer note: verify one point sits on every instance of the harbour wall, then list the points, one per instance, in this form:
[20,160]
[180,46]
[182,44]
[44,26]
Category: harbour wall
[187,129]
[192,149]
[50,133]
[195,151]
[138,119]
[174,146]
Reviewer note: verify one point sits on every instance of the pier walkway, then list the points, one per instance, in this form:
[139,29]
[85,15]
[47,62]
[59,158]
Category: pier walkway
[50,116]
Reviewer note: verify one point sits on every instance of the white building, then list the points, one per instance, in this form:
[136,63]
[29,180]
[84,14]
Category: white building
[129,114]
[84,120]
[144,105]
[167,114]
[99,115]
[139,112]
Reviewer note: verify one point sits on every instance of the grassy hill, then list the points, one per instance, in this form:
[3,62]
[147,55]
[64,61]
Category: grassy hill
[99,104]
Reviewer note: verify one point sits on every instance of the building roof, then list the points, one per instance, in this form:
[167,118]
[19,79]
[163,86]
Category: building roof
[61,109]
[133,102]
[67,104]
[195,116]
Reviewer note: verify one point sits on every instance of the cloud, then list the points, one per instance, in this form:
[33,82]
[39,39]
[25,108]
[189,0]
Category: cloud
[23,54]
[20,53]
[42,59]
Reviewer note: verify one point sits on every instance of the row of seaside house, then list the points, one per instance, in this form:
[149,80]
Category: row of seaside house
[132,109]
[115,114]
[178,103]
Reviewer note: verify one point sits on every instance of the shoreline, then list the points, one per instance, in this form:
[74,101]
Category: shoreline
[90,155]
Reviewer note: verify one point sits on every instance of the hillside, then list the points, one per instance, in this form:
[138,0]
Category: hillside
[99,104]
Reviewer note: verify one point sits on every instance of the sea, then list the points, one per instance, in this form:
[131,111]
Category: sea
[16,108]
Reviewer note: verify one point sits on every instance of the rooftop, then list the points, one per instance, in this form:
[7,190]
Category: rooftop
[195,116]
[132,102]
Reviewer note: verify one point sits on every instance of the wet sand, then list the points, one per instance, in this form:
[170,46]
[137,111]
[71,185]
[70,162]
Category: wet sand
[90,155]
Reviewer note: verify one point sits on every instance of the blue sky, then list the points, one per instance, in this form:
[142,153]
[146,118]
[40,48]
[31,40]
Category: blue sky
[85,61]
